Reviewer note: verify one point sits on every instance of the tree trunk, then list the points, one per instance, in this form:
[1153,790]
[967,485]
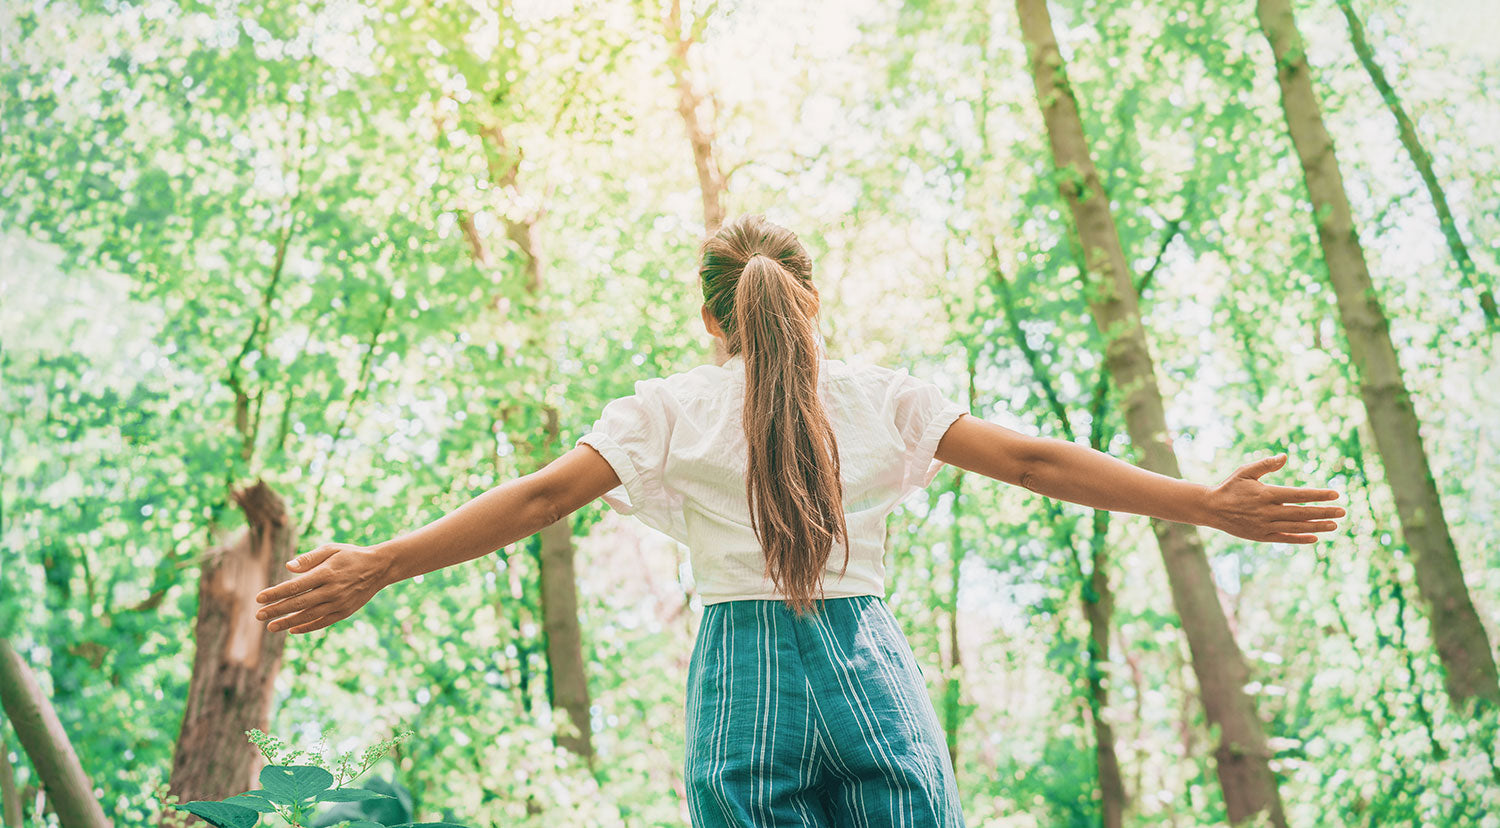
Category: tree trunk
[1094,593]
[952,691]
[46,743]
[1242,756]
[570,690]
[1099,610]
[568,681]
[1462,644]
[1423,161]
[235,666]
[1098,606]
[711,184]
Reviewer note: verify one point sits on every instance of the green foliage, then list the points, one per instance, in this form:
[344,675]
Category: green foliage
[235,245]
[394,808]
[223,814]
[293,792]
[343,768]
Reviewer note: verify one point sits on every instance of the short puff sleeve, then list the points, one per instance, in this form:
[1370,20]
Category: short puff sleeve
[922,414]
[633,434]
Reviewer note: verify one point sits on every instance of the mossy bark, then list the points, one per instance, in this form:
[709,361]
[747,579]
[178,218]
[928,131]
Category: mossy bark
[1242,755]
[1462,644]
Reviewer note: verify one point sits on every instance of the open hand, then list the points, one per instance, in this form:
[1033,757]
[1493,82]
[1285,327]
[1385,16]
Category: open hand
[1247,508]
[338,579]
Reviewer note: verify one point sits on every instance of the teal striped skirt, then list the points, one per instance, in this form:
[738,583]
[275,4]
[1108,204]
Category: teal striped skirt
[822,721]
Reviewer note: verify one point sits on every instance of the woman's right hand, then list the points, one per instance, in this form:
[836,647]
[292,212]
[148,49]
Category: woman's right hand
[1247,508]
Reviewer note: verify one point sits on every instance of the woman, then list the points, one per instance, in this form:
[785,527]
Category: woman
[798,713]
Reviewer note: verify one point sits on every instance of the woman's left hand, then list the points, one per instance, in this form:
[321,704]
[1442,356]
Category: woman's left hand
[338,579]
[1247,508]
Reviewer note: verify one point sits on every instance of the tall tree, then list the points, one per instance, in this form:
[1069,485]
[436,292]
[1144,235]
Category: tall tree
[1462,644]
[568,685]
[1096,598]
[953,687]
[690,102]
[567,679]
[1242,755]
[1422,159]
[957,551]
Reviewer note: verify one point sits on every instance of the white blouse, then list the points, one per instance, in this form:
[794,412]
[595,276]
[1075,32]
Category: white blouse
[679,449]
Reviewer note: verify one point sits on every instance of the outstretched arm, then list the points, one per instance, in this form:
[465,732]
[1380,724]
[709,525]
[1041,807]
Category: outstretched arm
[1241,506]
[339,578]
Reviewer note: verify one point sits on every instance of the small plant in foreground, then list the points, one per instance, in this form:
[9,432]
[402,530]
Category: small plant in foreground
[344,769]
[294,791]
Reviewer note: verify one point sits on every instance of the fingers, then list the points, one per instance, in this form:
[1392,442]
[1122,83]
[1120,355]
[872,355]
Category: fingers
[1303,512]
[287,589]
[326,620]
[1283,494]
[1259,467]
[1292,494]
[310,598]
[303,618]
[1283,537]
[302,563]
[1289,526]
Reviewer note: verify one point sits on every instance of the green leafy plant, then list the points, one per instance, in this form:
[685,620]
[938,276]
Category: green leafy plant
[295,791]
[345,768]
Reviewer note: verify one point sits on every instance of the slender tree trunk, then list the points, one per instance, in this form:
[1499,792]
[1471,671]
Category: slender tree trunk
[1094,593]
[1099,609]
[1242,754]
[1098,606]
[953,693]
[1138,685]
[1423,161]
[953,690]
[570,690]
[568,681]
[1462,643]
[237,659]
[711,184]
[46,743]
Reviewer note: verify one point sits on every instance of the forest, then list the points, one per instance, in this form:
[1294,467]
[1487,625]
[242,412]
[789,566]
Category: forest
[285,273]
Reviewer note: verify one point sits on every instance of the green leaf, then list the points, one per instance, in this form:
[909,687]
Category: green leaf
[299,783]
[222,814]
[348,795]
[271,796]
[429,825]
[364,823]
[255,801]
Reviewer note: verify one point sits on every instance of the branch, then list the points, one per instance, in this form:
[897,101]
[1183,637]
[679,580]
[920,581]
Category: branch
[361,387]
